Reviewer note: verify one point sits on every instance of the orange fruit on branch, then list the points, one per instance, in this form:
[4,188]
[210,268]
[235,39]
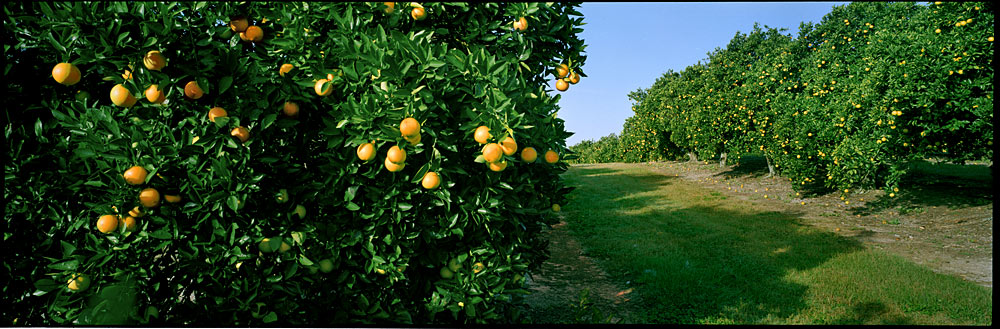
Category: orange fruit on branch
[121,96]
[155,95]
[323,91]
[66,74]
[192,90]
[418,14]
[551,156]
[285,68]
[149,198]
[128,223]
[508,145]
[216,112]
[135,175]
[154,60]
[482,134]
[529,154]
[291,109]
[431,180]
[78,282]
[239,23]
[396,155]
[562,71]
[497,166]
[393,167]
[492,152]
[366,152]
[562,85]
[409,127]
[107,223]
[241,133]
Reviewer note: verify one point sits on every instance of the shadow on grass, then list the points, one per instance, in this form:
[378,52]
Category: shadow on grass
[749,166]
[871,313]
[695,261]
[943,185]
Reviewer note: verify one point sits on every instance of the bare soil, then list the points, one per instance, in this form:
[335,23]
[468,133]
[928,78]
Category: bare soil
[944,223]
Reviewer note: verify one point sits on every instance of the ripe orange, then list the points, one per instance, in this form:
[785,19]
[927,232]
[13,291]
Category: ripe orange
[492,152]
[192,90]
[240,132]
[121,96]
[478,267]
[135,212]
[418,14]
[323,92]
[497,166]
[574,78]
[135,175]
[149,197]
[393,167]
[155,95]
[431,180]
[285,68]
[291,109]
[551,156]
[128,224]
[252,34]
[366,152]
[482,134]
[414,140]
[66,74]
[409,127]
[562,71]
[216,112]
[107,223]
[154,60]
[521,24]
[172,198]
[508,145]
[78,282]
[396,155]
[389,7]
[127,75]
[529,154]
[562,85]
[239,23]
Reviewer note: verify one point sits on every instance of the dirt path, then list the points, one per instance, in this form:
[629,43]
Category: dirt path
[556,287]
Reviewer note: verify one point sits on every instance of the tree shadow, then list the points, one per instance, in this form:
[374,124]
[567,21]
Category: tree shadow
[749,166]
[933,188]
[871,313]
[698,262]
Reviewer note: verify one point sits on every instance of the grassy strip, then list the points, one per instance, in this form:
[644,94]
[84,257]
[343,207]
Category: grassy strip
[698,258]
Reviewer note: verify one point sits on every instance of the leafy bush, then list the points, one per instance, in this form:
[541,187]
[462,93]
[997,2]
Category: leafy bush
[267,214]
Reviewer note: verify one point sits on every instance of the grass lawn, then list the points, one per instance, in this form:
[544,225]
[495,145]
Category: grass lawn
[697,257]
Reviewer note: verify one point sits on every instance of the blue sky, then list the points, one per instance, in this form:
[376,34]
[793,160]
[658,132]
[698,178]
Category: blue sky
[629,45]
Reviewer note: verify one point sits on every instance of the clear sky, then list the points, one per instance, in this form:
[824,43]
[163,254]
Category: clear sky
[629,45]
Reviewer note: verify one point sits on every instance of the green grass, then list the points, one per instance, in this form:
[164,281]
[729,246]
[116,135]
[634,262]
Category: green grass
[697,259]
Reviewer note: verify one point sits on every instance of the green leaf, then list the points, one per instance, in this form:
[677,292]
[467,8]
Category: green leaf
[225,83]
[68,265]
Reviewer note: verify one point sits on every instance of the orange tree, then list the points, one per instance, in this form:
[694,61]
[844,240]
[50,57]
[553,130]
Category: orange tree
[850,102]
[274,209]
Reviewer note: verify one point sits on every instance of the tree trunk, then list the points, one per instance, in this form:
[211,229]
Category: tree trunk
[722,160]
[692,157]
[770,167]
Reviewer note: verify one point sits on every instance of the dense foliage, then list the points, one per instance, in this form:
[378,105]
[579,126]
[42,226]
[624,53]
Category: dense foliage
[269,213]
[848,103]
